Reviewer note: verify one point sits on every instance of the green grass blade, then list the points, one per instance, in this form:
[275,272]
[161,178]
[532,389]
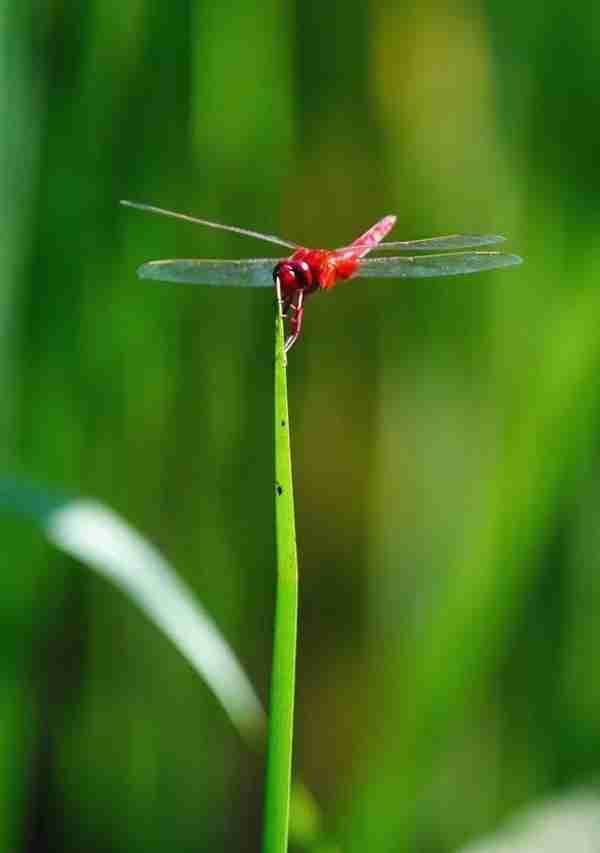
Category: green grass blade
[102,540]
[281,720]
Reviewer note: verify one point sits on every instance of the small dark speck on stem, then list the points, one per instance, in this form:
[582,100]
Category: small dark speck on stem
[282,423]
[279,489]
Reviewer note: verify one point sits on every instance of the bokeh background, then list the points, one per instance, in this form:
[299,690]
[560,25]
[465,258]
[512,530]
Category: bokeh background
[446,433]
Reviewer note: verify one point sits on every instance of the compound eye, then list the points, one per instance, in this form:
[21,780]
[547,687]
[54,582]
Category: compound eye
[293,275]
[286,273]
[304,275]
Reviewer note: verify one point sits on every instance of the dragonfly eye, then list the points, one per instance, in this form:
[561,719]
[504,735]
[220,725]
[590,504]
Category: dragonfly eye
[293,275]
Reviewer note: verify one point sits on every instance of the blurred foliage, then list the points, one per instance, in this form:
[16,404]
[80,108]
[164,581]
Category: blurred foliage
[445,432]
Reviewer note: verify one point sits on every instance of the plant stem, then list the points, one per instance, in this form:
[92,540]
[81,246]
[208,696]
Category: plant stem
[281,720]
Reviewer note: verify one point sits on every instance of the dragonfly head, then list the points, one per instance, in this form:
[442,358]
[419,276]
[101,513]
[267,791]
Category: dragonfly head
[293,276]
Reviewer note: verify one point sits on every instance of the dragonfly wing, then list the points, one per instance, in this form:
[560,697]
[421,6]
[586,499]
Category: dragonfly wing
[430,266]
[256,272]
[452,241]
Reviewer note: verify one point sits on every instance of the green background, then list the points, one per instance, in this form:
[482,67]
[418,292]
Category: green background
[445,432]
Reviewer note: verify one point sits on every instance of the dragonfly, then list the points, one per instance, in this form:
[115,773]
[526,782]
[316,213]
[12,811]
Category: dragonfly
[304,271]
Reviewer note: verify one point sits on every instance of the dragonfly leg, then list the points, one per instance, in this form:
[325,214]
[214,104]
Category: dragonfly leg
[295,320]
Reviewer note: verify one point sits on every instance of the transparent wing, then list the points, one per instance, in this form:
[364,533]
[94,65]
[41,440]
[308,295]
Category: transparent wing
[434,265]
[256,272]
[452,241]
[269,238]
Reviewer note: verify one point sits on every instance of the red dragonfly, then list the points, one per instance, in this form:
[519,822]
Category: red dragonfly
[307,271]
